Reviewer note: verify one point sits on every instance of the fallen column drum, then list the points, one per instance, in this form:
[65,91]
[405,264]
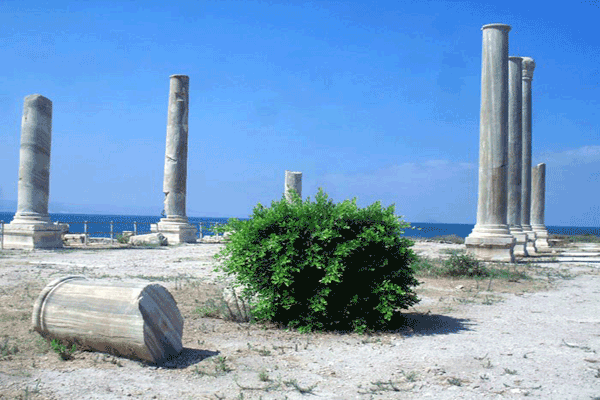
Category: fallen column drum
[134,320]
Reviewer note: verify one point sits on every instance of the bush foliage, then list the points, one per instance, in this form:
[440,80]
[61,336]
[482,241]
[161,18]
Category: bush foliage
[319,265]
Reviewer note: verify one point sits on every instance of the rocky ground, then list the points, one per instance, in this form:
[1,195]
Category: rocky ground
[471,339]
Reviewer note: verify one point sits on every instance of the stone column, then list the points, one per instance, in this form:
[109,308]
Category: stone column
[293,180]
[31,227]
[538,205]
[491,239]
[527,75]
[515,158]
[175,226]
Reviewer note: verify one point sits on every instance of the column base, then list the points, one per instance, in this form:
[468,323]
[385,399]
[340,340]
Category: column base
[26,234]
[176,230]
[541,238]
[491,243]
[530,245]
[520,249]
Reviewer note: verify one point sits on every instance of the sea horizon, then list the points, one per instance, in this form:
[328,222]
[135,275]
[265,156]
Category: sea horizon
[99,225]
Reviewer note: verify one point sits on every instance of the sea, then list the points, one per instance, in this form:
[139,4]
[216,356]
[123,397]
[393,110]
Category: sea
[100,225]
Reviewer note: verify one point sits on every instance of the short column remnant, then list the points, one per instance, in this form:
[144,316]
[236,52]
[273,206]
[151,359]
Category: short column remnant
[515,158]
[31,227]
[527,74]
[491,239]
[538,205]
[293,180]
[135,320]
[175,226]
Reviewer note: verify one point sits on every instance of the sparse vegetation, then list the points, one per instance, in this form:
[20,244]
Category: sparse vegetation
[63,352]
[7,349]
[449,239]
[463,265]
[585,238]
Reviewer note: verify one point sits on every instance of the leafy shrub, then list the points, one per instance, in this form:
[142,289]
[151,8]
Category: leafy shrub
[464,265]
[322,265]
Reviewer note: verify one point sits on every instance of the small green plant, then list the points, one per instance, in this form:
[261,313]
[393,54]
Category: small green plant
[464,265]
[319,265]
[263,376]
[302,390]
[7,350]
[455,381]
[123,239]
[63,352]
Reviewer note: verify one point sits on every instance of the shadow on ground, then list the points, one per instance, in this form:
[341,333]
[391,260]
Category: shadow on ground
[187,357]
[410,324]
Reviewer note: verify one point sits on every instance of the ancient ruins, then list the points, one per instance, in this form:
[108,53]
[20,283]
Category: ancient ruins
[504,228]
[538,205]
[511,196]
[175,226]
[491,238]
[527,73]
[293,180]
[31,227]
[515,158]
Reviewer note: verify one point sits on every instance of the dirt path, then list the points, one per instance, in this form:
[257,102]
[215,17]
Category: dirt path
[466,339]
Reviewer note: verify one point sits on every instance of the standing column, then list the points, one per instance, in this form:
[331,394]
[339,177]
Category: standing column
[175,226]
[491,239]
[31,227]
[538,205]
[293,180]
[515,158]
[527,72]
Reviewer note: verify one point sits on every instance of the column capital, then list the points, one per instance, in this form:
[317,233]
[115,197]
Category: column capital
[502,27]
[528,67]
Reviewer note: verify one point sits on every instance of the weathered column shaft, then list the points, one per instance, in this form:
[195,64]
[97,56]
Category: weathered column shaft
[175,178]
[538,196]
[293,180]
[515,155]
[493,155]
[527,75]
[491,238]
[34,163]
[175,227]
[31,227]
[538,205]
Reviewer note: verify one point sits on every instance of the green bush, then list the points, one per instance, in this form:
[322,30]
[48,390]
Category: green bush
[319,265]
[464,265]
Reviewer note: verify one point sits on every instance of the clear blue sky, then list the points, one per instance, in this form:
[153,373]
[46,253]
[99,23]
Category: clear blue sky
[375,100]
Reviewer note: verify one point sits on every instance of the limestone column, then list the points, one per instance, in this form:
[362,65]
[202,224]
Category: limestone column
[175,226]
[538,205]
[527,75]
[31,227]
[515,158]
[491,239]
[293,180]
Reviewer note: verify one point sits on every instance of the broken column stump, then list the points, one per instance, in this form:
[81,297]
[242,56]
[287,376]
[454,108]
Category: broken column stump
[134,320]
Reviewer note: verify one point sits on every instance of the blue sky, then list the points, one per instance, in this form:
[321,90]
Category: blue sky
[374,100]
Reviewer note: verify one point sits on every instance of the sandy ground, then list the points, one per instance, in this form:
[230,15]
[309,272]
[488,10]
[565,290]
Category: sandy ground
[467,339]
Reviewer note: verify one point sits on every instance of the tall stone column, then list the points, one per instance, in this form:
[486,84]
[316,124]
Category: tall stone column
[293,180]
[31,227]
[515,158]
[175,226]
[491,239]
[538,205]
[527,75]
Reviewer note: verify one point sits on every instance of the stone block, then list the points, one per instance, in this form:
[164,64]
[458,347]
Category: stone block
[156,238]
